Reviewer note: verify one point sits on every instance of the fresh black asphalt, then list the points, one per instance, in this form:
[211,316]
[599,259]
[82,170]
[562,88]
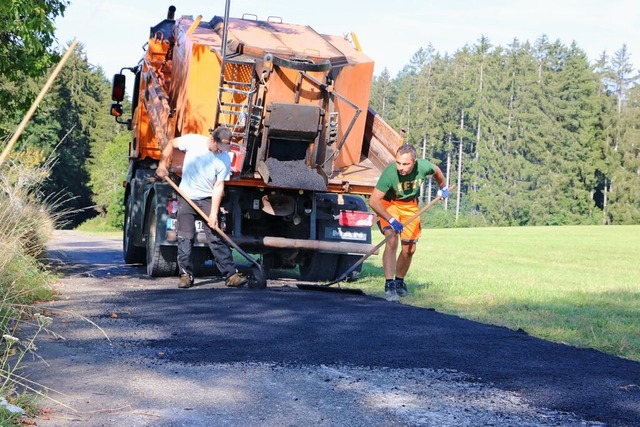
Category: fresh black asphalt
[289,326]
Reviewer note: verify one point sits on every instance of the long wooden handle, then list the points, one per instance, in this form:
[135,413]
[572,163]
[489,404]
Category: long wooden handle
[187,199]
[198,210]
[383,242]
[218,230]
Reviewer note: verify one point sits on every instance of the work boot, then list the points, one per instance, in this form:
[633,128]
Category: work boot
[186,281]
[401,288]
[390,291]
[236,280]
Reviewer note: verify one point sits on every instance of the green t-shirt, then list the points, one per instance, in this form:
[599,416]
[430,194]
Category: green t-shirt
[404,188]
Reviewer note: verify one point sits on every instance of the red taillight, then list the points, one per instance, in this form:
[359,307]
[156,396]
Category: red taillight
[172,207]
[118,87]
[355,219]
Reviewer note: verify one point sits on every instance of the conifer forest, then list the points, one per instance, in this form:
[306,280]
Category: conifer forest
[531,134]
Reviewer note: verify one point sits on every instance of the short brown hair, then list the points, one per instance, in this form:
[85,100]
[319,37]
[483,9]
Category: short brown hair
[408,148]
[220,134]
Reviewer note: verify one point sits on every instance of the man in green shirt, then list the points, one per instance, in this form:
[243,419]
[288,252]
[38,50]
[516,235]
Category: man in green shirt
[395,200]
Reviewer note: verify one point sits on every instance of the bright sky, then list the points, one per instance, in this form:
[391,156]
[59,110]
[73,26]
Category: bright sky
[114,31]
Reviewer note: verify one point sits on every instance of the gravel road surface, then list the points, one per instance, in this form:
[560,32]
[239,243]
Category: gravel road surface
[136,351]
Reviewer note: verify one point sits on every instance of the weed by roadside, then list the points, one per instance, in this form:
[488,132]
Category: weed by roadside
[26,224]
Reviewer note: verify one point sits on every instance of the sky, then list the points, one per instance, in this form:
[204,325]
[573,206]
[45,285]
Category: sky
[113,32]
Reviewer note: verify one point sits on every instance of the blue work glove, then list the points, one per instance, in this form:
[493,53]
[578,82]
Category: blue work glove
[443,192]
[397,225]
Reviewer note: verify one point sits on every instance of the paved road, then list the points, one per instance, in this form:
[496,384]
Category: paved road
[136,351]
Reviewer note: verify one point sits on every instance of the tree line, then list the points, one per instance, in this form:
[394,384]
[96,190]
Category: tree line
[71,131]
[532,134]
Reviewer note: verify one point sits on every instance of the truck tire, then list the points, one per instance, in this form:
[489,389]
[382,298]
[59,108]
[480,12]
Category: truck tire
[319,267]
[162,261]
[132,254]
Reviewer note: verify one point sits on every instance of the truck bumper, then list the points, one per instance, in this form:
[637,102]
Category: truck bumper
[250,242]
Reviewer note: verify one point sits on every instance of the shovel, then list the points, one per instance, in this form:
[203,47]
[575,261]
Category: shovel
[256,270]
[326,287]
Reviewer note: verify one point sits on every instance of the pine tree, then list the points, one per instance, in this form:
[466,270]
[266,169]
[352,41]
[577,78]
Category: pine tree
[71,124]
[624,206]
[108,171]
[383,93]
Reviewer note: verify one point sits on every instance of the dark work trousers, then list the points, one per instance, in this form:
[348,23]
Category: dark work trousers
[186,233]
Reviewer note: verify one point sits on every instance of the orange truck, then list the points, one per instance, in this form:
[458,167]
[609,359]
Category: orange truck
[306,149]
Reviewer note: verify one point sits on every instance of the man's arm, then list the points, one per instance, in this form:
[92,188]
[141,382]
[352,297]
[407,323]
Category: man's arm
[216,200]
[443,190]
[375,201]
[165,158]
[439,177]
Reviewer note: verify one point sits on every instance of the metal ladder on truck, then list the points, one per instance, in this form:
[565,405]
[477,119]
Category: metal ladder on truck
[236,97]
[236,93]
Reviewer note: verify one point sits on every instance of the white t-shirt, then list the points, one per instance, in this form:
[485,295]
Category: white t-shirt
[201,168]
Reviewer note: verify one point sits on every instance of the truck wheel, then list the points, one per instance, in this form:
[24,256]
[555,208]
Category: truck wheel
[162,261]
[132,254]
[319,267]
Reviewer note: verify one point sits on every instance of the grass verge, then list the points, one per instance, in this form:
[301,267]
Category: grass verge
[25,227]
[99,225]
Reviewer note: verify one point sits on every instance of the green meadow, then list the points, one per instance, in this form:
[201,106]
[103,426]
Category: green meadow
[578,285]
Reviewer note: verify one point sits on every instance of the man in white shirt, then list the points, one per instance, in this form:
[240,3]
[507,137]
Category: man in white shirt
[206,166]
